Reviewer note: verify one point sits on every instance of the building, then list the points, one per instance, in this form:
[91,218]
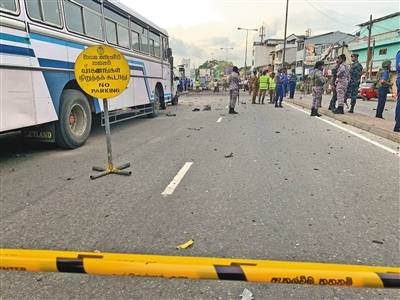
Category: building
[315,48]
[385,42]
[261,52]
[290,52]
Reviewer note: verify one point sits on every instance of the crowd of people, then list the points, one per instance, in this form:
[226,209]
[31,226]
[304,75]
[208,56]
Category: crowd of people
[346,82]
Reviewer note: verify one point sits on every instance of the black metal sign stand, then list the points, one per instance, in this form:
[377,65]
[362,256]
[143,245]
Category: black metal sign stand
[110,167]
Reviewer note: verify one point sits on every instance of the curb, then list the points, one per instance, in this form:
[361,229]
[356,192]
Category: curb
[346,119]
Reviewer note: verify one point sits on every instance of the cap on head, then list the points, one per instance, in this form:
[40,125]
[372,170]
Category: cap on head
[386,64]
[319,64]
[354,55]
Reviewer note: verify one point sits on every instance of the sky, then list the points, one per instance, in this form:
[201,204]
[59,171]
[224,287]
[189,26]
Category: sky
[199,29]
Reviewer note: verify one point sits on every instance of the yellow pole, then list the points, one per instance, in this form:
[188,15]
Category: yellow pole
[200,268]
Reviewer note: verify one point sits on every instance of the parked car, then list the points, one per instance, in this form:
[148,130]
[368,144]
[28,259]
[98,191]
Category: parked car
[367,90]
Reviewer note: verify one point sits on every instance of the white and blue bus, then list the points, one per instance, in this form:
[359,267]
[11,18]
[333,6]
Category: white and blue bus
[39,43]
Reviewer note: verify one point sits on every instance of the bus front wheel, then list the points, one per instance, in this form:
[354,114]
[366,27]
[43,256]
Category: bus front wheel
[75,120]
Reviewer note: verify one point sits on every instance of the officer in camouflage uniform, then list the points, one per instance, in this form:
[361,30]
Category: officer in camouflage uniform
[342,82]
[355,75]
[332,104]
[317,80]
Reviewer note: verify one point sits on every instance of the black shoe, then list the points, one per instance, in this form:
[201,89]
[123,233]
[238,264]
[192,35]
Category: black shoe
[317,114]
[280,105]
[396,130]
[332,108]
[339,110]
[351,110]
[234,112]
[313,112]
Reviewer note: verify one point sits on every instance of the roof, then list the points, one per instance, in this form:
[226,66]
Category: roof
[129,10]
[381,18]
[329,37]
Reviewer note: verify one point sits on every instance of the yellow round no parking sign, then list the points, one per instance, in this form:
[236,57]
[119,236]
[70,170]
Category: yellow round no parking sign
[102,71]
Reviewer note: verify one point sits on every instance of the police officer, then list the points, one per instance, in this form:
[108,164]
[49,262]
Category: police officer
[383,86]
[292,83]
[279,90]
[397,125]
[332,104]
[342,82]
[255,87]
[317,80]
[355,75]
[234,83]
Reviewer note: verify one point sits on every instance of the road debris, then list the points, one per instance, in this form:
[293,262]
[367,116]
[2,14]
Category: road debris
[171,115]
[196,109]
[229,155]
[377,242]
[277,132]
[246,295]
[185,245]
[196,129]
[207,108]
[243,102]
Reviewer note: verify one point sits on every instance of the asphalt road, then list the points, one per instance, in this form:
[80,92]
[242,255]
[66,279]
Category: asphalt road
[296,189]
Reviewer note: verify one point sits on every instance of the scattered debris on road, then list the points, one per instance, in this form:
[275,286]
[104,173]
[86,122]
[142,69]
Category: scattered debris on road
[243,102]
[229,155]
[377,242]
[277,132]
[196,109]
[185,245]
[171,115]
[316,169]
[196,129]
[207,108]
[246,295]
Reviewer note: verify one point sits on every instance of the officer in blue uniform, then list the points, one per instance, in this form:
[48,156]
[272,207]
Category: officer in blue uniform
[292,83]
[279,90]
[397,125]
[383,87]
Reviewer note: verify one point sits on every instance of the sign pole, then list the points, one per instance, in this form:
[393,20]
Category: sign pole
[110,166]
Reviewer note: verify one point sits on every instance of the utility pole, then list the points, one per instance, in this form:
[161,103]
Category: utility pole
[262,34]
[247,41]
[284,39]
[369,47]
[372,57]
[226,52]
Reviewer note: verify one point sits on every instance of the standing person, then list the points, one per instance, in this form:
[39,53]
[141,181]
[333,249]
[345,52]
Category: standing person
[292,84]
[263,83]
[342,82]
[332,104]
[271,87]
[285,84]
[251,81]
[234,85]
[355,76]
[255,88]
[279,90]
[383,86]
[317,80]
[397,118]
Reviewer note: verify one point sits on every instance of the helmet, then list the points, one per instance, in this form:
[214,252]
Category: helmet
[386,64]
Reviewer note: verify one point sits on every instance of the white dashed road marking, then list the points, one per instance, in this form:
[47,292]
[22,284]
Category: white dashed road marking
[177,179]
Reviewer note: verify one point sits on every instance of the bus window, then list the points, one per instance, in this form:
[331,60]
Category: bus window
[93,25]
[73,16]
[145,41]
[135,40]
[117,27]
[9,6]
[111,28]
[154,43]
[136,35]
[84,17]
[44,11]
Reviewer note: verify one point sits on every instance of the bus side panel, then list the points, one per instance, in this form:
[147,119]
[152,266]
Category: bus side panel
[51,55]
[25,100]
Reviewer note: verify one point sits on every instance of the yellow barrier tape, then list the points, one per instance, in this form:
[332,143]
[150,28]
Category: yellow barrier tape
[200,268]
